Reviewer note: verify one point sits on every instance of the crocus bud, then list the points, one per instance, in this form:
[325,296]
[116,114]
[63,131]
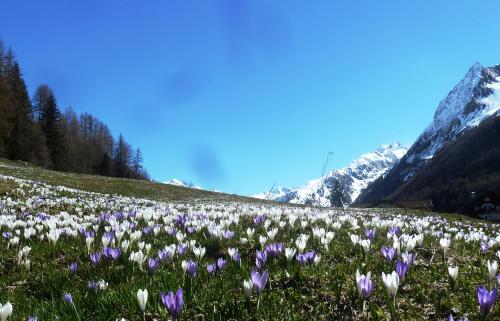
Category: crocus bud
[453,272]
[142,299]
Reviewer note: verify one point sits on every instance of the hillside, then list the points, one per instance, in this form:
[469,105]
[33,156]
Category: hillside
[472,102]
[468,164]
[346,183]
[111,185]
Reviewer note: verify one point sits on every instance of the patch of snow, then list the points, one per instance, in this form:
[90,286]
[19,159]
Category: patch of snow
[178,182]
[354,178]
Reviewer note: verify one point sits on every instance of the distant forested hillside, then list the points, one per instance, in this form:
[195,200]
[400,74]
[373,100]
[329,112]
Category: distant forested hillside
[37,131]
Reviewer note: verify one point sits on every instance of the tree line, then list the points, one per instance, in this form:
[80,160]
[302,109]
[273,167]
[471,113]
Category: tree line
[35,130]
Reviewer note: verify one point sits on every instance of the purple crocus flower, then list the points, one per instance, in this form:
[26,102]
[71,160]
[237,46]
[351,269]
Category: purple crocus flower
[260,258]
[485,247]
[110,236]
[153,265]
[95,258]
[498,279]
[32,318]
[180,220]
[73,267]
[311,256]
[364,284]
[274,249]
[89,234]
[174,304]
[307,257]
[259,219]
[395,230]
[68,298]
[6,235]
[486,299]
[259,280]
[92,285]
[301,258]
[181,249]
[162,255]
[236,256]
[388,253]
[111,253]
[370,234]
[221,264]
[401,269]
[171,231]
[191,229]
[211,268]
[228,234]
[409,258]
[191,268]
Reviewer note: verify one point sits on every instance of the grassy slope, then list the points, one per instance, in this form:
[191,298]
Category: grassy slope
[137,188]
[110,185]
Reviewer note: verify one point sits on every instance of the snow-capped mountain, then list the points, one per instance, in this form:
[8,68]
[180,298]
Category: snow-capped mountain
[475,98]
[178,182]
[346,182]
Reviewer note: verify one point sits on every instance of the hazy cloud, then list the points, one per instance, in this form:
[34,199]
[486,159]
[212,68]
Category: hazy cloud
[206,165]
[253,28]
[184,85]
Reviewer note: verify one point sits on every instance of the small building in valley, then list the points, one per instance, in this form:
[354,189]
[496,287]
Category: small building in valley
[485,205]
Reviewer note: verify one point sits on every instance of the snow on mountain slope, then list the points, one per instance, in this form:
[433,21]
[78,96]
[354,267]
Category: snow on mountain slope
[475,98]
[178,182]
[351,179]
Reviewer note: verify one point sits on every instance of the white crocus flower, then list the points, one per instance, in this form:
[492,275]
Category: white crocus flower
[199,252]
[180,237]
[391,282]
[125,244]
[365,244]
[105,241]
[453,272]
[354,239]
[88,241]
[184,265]
[142,299]
[170,249]
[445,244]
[290,253]
[247,287]
[492,269]
[262,240]
[301,243]
[5,311]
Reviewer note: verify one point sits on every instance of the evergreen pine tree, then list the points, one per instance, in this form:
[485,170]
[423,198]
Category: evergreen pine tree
[20,144]
[6,112]
[50,123]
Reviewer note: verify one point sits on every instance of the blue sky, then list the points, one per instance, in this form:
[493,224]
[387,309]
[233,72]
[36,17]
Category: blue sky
[236,94]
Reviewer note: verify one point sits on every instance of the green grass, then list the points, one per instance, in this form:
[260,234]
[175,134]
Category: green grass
[110,185]
[326,291]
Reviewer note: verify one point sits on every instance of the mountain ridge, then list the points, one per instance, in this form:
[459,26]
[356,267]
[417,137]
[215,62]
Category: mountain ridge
[475,98]
[350,179]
